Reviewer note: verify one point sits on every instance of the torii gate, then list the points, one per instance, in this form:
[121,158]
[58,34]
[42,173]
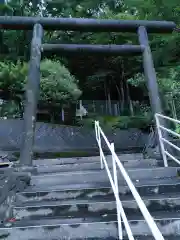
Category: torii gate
[38,24]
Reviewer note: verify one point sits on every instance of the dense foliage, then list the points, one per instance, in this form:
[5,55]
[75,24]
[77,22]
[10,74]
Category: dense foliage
[57,84]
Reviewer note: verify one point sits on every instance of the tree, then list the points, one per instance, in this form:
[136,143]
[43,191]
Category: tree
[169,86]
[57,84]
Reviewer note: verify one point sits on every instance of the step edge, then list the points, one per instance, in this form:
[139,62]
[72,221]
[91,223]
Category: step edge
[103,187]
[62,224]
[100,170]
[95,201]
[64,204]
[86,223]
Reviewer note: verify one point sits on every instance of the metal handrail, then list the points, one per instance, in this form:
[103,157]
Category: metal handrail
[162,140]
[114,184]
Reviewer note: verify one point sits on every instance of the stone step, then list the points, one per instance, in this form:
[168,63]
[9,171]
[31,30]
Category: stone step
[145,187]
[49,236]
[31,221]
[171,163]
[99,176]
[65,195]
[165,190]
[145,237]
[73,210]
[123,157]
[87,208]
[55,168]
[93,231]
[104,227]
[41,234]
[167,222]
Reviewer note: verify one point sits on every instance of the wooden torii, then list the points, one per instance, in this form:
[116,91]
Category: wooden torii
[38,24]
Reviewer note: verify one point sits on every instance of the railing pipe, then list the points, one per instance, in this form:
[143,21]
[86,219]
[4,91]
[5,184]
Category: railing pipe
[150,221]
[172,157]
[163,140]
[120,233]
[168,118]
[171,144]
[160,141]
[100,144]
[123,215]
[147,216]
[170,131]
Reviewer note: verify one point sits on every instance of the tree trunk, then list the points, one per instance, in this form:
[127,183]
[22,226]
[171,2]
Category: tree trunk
[174,113]
[109,102]
[119,94]
[106,97]
[129,100]
[122,96]
[173,109]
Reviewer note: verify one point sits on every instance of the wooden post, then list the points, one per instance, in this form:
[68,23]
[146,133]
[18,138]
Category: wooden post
[150,76]
[32,95]
[149,72]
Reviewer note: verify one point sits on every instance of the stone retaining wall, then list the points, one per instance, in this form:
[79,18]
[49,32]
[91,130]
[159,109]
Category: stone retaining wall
[52,137]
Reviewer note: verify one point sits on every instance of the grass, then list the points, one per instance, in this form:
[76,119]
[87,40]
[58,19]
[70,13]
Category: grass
[77,153]
[69,154]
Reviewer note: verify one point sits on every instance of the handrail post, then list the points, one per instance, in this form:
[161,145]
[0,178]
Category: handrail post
[100,145]
[161,142]
[120,234]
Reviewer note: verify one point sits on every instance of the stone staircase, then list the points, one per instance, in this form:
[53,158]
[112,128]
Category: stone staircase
[72,199]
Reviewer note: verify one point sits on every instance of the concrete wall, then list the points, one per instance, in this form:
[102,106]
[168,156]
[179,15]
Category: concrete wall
[51,137]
